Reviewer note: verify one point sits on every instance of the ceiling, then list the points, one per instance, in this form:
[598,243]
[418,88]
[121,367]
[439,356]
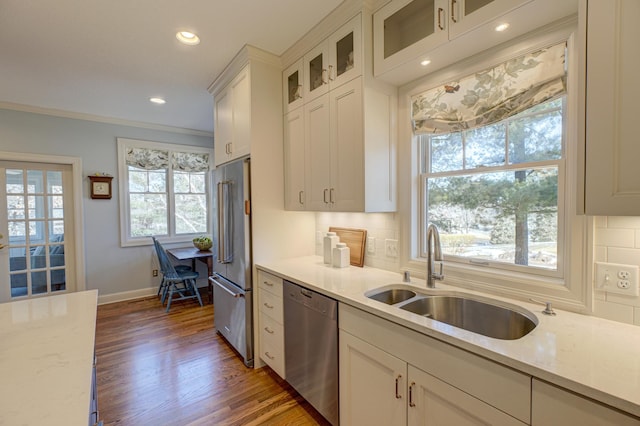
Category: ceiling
[106,58]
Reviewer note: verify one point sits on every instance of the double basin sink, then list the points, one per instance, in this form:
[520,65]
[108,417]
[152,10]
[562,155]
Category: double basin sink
[491,318]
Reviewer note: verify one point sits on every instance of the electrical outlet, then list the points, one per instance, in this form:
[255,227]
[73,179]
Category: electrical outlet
[617,278]
[371,245]
[154,272]
[391,248]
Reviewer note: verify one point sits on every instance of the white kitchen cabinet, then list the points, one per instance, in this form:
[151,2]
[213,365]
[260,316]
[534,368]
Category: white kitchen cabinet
[232,119]
[551,405]
[334,61]
[612,175]
[292,86]
[271,328]
[406,29]
[294,158]
[334,135]
[372,384]
[437,383]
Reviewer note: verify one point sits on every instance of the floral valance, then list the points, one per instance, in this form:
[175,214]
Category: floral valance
[148,159]
[156,159]
[190,161]
[491,95]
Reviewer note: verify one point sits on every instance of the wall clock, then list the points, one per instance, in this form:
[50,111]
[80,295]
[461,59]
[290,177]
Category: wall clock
[100,187]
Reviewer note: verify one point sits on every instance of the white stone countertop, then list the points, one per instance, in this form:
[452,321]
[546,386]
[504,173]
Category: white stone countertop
[594,357]
[46,359]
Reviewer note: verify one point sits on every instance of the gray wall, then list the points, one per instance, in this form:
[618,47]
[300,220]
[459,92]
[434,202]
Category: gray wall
[109,267]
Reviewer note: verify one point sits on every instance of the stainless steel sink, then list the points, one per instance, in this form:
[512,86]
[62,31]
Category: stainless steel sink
[473,315]
[393,296]
[490,319]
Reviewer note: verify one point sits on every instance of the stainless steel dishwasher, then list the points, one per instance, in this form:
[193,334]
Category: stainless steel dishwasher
[311,348]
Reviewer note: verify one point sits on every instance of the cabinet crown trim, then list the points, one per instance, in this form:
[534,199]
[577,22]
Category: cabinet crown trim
[245,55]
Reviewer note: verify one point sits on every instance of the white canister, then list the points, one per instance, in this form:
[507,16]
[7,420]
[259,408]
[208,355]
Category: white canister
[330,241]
[341,256]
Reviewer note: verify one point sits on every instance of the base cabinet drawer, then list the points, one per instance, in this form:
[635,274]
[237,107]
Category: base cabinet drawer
[272,344]
[271,305]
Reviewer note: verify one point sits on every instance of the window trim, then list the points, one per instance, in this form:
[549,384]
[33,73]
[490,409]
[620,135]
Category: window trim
[576,293]
[125,239]
[559,164]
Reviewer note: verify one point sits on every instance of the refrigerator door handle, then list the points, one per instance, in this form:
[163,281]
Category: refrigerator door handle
[224,216]
[223,287]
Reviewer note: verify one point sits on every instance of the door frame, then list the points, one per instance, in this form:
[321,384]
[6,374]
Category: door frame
[76,196]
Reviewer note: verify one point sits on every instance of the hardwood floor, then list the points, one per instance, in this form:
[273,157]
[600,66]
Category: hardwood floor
[157,368]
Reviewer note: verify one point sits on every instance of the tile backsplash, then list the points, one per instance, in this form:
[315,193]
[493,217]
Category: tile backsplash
[617,240]
[380,226]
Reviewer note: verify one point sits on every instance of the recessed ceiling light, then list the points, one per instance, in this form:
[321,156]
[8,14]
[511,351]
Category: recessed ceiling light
[425,62]
[187,38]
[502,27]
[158,101]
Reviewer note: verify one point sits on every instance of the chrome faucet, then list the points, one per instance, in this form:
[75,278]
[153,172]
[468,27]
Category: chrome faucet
[434,252]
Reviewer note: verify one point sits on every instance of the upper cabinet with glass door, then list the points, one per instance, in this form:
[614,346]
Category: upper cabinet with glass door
[335,61]
[292,80]
[405,29]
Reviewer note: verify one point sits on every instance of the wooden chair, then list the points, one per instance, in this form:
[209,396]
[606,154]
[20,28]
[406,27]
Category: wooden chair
[178,268]
[176,285]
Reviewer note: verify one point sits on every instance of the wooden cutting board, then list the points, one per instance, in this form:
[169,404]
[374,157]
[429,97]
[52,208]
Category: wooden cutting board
[355,240]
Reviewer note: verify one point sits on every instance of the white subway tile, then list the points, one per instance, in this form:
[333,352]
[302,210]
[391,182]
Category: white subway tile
[600,221]
[623,222]
[636,316]
[626,256]
[614,237]
[623,300]
[599,254]
[613,311]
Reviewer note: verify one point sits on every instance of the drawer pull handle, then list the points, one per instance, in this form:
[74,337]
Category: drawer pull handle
[268,283]
[268,330]
[398,396]
[269,356]
[411,403]
[268,305]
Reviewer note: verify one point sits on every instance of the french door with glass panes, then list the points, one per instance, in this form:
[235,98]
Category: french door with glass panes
[36,215]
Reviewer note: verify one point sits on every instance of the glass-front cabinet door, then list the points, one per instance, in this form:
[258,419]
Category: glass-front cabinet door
[335,61]
[292,84]
[345,53]
[404,29]
[465,15]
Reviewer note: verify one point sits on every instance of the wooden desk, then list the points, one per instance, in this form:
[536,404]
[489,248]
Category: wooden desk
[205,256]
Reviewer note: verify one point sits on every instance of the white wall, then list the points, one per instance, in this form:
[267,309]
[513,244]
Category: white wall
[109,268]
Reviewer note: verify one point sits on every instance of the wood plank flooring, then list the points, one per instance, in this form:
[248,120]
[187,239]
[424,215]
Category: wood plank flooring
[157,368]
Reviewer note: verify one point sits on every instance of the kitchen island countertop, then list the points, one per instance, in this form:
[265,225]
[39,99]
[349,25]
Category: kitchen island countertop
[595,357]
[46,359]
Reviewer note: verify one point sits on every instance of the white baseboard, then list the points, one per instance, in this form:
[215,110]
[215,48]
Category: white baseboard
[130,295]
[127,295]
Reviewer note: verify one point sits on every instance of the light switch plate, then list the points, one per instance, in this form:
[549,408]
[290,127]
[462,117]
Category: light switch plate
[617,278]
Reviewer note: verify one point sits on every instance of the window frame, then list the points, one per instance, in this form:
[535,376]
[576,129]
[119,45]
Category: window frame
[560,164]
[571,291]
[126,240]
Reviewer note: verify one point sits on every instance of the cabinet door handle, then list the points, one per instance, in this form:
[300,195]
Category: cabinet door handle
[268,306]
[268,330]
[268,283]
[324,196]
[411,403]
[398,396]
[269,356]
[331,77]
[453,11]
[440,12]
[331,195]
[300,200]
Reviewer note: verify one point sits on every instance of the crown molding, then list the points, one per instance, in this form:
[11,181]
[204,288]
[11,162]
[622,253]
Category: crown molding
[245,55]
[100,119]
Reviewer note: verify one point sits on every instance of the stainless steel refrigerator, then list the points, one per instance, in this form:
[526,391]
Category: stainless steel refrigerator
[231,279]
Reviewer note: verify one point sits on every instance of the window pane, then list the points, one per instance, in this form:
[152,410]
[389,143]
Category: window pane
[485,146]
[15,184]
[158,181]
[35,179]
[148,214]
[181,182]
[197,183]
[54,182]
[446,152]
[536,138]
[137,180]
[505,216]
[191,214]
